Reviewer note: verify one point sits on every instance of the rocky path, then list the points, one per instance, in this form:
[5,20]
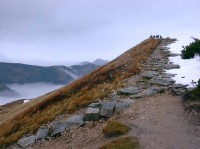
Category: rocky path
[145,104]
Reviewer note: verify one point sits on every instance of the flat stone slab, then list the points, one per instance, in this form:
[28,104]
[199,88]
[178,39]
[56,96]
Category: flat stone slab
[42,132]
[129,90]
[123,104]
[149,92]
[159,89]
[163,81]
[174,54]
[167,75]
[92,114]
[58,128]
[171,66]
[95,105]
[164,48]
[136,96]
[149,74]
[25,142]
[107,109]
[74,122]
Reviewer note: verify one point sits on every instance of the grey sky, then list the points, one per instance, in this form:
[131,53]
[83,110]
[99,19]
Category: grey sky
[48,32]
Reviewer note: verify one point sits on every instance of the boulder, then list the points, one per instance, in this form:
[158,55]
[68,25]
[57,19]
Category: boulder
[92,114]
[107,109]
[129,90]
[42,132]
[74,122]
[123,104]
[171,66]
[149,74]
[25,142]
[58,128]
[149,92]
[95,105]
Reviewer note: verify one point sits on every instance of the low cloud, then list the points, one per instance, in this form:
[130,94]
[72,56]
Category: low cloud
[27,91]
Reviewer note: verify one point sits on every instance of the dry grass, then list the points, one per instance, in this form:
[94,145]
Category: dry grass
[122,143]
[28,117]
[115,128]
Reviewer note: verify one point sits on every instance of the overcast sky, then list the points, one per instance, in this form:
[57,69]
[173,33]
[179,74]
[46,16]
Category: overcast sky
[50,32]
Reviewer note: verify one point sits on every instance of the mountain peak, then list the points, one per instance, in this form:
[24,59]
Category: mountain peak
[100,62]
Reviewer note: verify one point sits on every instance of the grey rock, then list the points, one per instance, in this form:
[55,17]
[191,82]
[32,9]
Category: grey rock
[42,132]
[174,54]
[25,142]
[136,96]
[159,89]
[150,74]
[92,114]
[163,81]
[123,104]
[74,122]
[129,90]
[167,75]
[171,66]
[58,128]
[149,92]
[164,48]
[107,109]
[95,105]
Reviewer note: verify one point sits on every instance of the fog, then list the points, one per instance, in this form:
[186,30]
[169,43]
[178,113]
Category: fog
[66,32]
[28,91]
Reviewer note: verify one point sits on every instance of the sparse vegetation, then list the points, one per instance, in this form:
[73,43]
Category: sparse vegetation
[115,128]
[193,95]
[28,117]
[192,98]
[122,143]
[191,50]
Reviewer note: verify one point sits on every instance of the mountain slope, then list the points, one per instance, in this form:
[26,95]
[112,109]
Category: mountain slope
[21,73]
[96,85]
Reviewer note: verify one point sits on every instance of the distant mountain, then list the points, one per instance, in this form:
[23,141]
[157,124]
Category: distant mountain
[21,73]
[100,62]
[84,63]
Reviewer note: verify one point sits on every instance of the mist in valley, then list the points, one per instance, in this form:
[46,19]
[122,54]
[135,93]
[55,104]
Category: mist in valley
[27,91]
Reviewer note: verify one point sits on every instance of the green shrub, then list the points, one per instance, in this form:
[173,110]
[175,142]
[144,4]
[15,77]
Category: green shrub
[193,95]
[115,128]
[191,50]
[122,143]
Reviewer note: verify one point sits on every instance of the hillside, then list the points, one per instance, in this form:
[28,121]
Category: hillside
[27,118]
[22,73]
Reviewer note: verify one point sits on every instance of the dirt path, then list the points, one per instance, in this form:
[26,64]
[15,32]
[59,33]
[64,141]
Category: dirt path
[162,124]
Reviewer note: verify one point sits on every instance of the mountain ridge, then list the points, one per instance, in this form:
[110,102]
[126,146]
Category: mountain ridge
[24,73]
[96,85]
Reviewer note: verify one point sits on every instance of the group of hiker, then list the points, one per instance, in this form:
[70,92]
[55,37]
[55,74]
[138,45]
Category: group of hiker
[156,36]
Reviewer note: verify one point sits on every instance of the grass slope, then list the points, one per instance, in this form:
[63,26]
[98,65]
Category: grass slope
[28,117]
